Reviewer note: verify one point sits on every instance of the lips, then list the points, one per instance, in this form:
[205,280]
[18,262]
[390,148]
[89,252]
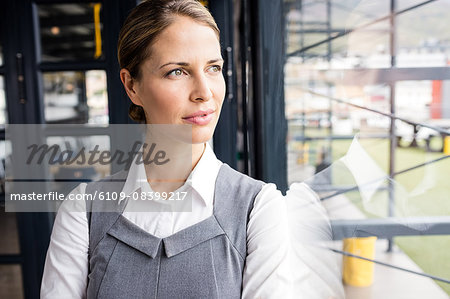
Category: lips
[201,117]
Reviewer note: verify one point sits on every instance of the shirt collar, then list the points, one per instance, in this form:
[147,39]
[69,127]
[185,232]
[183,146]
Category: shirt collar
[202,178]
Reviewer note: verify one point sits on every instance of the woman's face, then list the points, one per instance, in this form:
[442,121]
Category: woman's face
[182,81]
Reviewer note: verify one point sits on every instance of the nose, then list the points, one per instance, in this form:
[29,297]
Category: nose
[201,90]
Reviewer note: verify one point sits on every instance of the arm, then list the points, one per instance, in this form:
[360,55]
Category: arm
[267,271]
[316,271]
[66,264]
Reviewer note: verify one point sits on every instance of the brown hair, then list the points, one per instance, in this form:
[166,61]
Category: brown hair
[144,23]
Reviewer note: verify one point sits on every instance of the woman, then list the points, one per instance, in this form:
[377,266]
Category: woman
[232,244]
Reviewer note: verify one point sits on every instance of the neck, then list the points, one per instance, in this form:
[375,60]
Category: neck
[181,159]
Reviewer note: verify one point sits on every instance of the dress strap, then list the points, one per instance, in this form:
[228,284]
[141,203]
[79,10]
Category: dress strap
[234,197]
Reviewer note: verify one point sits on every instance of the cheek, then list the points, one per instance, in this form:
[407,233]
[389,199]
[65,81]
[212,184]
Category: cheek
[151,99]
[219,90]
[153,94]
[159,103]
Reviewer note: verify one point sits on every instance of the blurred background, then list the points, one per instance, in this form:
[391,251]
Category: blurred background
[304,79]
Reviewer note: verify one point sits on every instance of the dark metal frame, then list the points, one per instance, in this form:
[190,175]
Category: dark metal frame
[225,135]
[270,127]
[19,36]
[33,229]
[391,227]
[246,95]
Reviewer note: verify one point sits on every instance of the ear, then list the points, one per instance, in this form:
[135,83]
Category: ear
[130,85]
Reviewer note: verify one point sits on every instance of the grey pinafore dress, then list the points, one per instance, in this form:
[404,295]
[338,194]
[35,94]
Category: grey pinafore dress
[205,260]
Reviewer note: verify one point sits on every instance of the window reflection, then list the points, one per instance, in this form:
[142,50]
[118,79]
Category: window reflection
[325,75]
[8,224]
[68,177]
[3,111]
[344,78]
[319,33]
[11,281]
[70,31]
[424,43]
[428,102]
[8,229]
[1,54]
[76,97]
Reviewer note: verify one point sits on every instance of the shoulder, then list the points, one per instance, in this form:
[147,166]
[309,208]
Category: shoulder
[268,198]
[106,194]
[71,222]
[74,201]
[235,177]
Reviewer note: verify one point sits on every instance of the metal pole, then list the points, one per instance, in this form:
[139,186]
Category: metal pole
[328,22]
[302,44]
[392,132]
[329,157]
[302,36]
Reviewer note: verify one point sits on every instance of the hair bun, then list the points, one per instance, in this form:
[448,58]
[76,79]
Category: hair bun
[136,113]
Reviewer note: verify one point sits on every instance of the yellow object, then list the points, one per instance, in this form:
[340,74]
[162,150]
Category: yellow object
[447,145]
[204,2]
[306,153]
[98,33]
[303,156]
[358,272]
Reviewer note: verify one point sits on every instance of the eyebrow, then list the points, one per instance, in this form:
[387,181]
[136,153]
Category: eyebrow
[187,64]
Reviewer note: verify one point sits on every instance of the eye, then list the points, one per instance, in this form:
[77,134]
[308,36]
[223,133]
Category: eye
[175,73]
[215,68]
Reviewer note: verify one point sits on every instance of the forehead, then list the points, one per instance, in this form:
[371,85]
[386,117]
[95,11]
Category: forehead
[184,40]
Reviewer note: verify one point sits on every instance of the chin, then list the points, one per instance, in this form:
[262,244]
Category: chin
[202,135]
[200,139]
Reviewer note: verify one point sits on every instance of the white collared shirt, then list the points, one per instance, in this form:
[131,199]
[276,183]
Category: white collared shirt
[266,272]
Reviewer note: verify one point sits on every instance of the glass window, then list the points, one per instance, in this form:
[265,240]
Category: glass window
[405,4]
[76,97]
[339,89]
[68,177]
[339,34]
[426,42]
[3,111]
[70,31]
[8,224]
[11,276]
[320,129]
[428,102]
[8,229]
